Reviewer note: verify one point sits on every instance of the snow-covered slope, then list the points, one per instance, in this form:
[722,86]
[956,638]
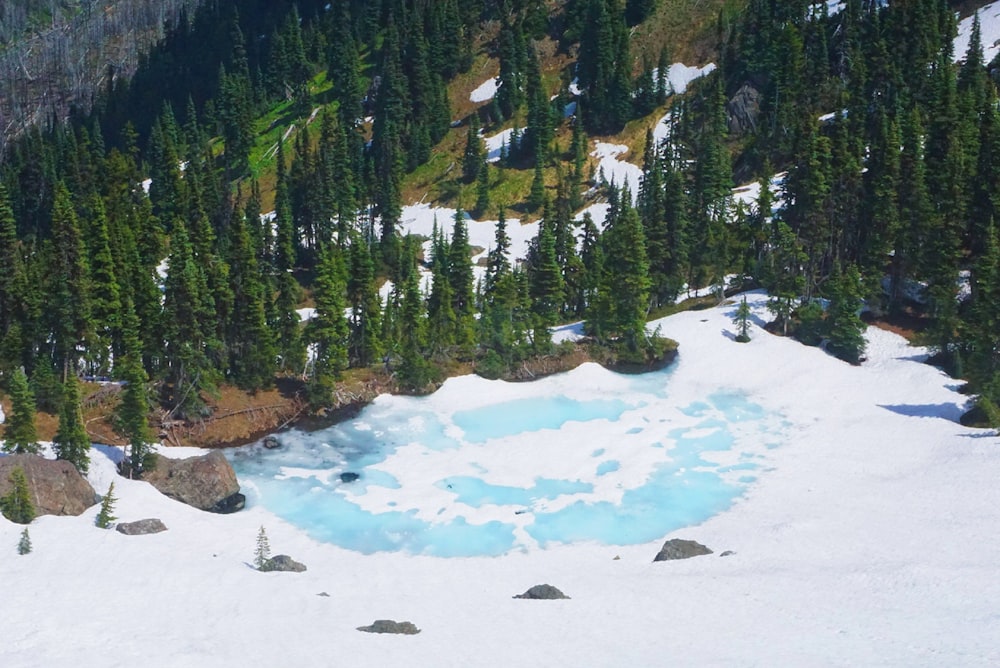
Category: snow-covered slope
[871,540]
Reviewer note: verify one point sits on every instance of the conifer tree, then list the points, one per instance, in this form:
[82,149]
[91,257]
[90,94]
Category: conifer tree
[365,345]
[545,285]
[70,282]
[134,408]
[328,329]
[742,321]
[105,517]
[461,282]
[106,293]
[472,159]
[846,339]
[71,442]
[262,552]
[626,280]
[414,370]
[24,544]
[16,505]
[187,314]
[19,432]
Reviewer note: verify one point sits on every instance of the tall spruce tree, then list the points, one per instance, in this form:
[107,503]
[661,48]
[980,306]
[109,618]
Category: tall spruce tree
[328,329]
[19,434]
[71,441]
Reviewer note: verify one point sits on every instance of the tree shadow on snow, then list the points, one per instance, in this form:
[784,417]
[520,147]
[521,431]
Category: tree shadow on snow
[949,412]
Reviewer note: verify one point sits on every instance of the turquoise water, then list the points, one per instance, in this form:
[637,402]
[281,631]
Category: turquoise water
[655,471]
[521,415]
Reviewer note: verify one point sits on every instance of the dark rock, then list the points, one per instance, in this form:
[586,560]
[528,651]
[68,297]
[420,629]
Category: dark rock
[141,527]
[207,482]
[284,563]
[349,476]
[56,487]
[271,442]
[543,592]
[389,626]
[727,553]
[676,548]
[230,504]
[323,594]
[744,110]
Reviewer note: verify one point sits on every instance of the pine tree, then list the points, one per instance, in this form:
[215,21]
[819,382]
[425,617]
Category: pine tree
[262,553]
[364,343]
[460,277]
[414,369]
[133,410]
[472,159]
[846,338]
[626,277]
[69,281]
[328,329]
[16,505]
[742,321]
[24,544]
[71,442]
[105,517]
[19,433]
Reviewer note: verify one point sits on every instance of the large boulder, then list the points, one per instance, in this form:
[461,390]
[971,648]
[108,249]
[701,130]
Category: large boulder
[390,626]
[543,592]
[284,563]
[141,527]
[56,487]
[677,548]
[744,110]
[207,482]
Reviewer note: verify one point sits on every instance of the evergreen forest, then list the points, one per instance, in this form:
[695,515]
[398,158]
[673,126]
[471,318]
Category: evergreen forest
[166,233]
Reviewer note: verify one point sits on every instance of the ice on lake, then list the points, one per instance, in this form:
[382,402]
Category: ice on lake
[482,468]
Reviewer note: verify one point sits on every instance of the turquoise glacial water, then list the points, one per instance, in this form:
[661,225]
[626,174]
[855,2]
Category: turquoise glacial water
[465,509]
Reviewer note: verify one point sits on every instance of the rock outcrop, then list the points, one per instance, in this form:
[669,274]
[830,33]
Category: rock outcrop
[282,562]
[207,482]
[389,626]
[677,548]
[56,487]
[543,592]
[744,110]
[141,527]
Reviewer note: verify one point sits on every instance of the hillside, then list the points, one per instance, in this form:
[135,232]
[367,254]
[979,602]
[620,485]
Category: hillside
[339,198]
[58,56]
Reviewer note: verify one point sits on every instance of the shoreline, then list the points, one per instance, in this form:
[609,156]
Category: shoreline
[355,400]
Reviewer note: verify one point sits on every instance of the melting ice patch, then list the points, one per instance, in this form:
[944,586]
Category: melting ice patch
[485,467]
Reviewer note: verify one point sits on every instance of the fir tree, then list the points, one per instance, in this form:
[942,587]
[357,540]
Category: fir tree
[846,338]
[24,544]
[742,321]
[105,517]
[19,432]
[133,410]
[472,159]
[71,442]
[262,552]
[16,505]
[328,329]
[460,277]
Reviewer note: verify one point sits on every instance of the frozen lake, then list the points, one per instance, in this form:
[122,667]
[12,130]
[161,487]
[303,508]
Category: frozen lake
[482,468]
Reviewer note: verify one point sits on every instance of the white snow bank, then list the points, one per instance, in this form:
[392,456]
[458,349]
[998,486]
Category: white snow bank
[613,170]
[989,26]
[869,536]
[484,91]
[494,144]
